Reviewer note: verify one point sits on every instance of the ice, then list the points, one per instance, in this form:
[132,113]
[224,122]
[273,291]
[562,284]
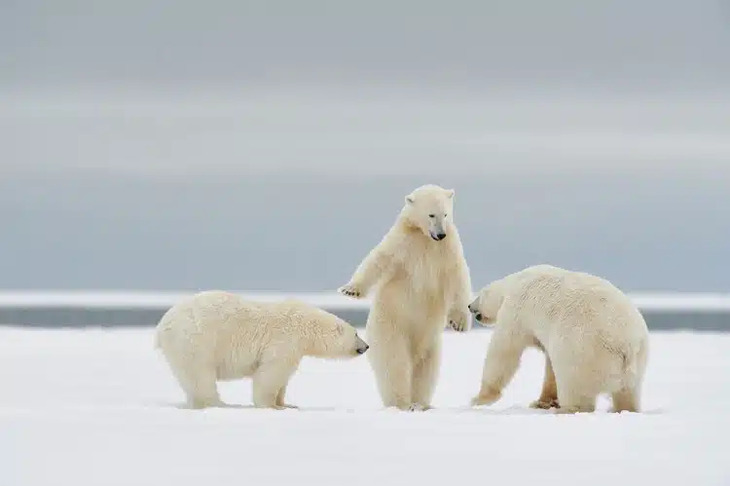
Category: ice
[663,301]
[99,407]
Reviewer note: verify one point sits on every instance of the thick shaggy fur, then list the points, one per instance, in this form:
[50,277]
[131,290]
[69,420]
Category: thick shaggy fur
[215,336]
[420,283]
[594,338]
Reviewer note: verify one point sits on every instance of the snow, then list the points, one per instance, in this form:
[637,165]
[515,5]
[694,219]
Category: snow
[99,407]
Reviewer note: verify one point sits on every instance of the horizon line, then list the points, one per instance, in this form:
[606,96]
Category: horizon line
[675,300]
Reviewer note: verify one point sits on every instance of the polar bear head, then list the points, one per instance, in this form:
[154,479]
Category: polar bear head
[332,337]
[430,208]
[487,304]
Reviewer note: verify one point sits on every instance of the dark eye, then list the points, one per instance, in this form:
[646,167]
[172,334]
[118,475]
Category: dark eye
[431,215]
[445,215]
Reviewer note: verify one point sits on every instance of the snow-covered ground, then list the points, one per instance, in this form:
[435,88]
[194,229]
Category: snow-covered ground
[98,407]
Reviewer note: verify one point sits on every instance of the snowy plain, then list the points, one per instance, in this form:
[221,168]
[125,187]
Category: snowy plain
[99,407]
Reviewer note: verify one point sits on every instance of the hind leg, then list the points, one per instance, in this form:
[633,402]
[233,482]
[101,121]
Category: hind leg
[573,395]
[425,375]
[194,373]
[626,400]
[199,385]
[629,398]
[570,403]
[391,365]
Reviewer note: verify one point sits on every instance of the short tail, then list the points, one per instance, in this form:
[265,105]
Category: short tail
[635,362]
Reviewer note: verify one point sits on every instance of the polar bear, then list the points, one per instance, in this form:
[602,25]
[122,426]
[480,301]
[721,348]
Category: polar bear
[594,339]
[216,336]
[420,282]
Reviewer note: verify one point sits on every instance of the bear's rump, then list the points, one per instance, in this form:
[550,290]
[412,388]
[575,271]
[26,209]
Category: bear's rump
[599,366]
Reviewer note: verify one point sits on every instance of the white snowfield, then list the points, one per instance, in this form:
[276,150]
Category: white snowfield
[100,408]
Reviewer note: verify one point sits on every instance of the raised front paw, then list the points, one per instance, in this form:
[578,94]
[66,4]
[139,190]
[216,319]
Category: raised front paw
[459,320]
[545,404]
[351,290]
[486,397]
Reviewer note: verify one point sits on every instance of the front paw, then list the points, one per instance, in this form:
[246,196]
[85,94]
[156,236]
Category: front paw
[545,404]
[486,397]
[351,290]
[459,321]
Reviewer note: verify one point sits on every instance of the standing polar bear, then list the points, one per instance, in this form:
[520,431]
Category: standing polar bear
[216,335]
[594,339]
[421,282]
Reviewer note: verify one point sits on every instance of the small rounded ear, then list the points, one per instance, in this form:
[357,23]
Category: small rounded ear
[409,199]
[450,193]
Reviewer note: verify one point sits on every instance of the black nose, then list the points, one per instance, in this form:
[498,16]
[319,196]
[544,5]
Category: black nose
[478,316]
[440,236]
[363,349]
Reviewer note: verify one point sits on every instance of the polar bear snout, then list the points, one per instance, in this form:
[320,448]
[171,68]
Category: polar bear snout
[474,309]
[436,228]
[362,346]
[437,232]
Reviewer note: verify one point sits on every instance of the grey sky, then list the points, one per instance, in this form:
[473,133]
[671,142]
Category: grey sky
[268,145]
[301,231]
[571,44]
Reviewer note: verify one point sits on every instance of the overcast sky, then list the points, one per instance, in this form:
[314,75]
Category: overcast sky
[268,145]
[627,44]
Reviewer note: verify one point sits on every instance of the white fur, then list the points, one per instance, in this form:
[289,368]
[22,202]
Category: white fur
[215,336]
[419,284]
[594,338]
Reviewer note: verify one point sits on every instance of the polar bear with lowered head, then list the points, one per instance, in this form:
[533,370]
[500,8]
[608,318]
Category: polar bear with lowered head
[594,339]
[420,282]
[218,336]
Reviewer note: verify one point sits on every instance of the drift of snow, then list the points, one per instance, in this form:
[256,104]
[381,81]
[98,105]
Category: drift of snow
[100,407]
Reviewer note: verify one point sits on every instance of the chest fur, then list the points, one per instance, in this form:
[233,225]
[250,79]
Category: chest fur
[430,270]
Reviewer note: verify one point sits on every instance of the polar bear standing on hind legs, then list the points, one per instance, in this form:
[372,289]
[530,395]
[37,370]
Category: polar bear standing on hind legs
[594,339]
[421,283]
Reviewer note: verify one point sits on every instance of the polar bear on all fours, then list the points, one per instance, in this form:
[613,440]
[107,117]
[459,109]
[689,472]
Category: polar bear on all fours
[594,339]
[218,336]
[420,284]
